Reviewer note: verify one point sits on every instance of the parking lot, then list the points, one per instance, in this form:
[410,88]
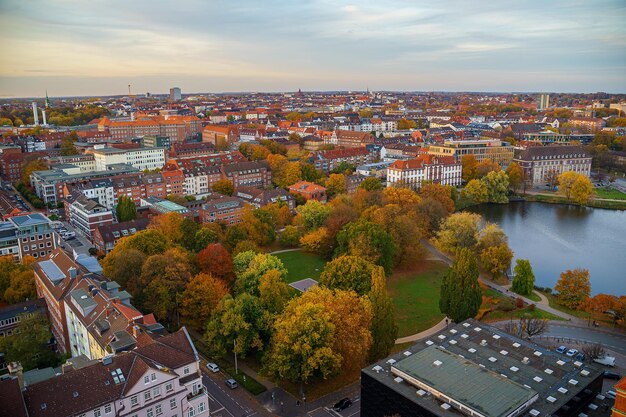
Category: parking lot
[327,411]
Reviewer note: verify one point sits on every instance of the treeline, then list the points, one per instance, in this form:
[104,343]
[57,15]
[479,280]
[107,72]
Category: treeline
[59,116]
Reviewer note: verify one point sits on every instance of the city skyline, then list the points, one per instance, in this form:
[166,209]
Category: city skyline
[80,49]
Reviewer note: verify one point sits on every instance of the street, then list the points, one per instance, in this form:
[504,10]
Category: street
[224,402]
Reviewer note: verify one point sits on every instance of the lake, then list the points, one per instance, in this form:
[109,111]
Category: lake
[557,237]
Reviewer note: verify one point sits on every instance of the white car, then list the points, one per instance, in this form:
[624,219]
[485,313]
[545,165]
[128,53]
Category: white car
[571,352]
[606,360]
[212,367]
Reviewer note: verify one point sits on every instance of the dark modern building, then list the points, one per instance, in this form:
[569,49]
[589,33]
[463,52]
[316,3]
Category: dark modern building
[473,369]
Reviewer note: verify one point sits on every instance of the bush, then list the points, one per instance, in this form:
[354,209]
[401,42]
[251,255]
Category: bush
[519,303]
[532,307]
[506,305]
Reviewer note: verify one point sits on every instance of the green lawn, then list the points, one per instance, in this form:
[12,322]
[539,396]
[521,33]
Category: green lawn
[416,297]
[553,303]
[301,265]
[610,192]
[498,315]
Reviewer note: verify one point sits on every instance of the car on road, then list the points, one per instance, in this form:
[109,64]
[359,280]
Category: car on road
[571,352]
[212,367]
[561,349]
[342,404]
[231,383]
[606,360]
[611,375]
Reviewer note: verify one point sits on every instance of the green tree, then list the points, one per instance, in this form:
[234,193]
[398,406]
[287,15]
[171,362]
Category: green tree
[516,175]
[207,234]
[343,168]
[290,236]
[460,230]
[384,328]
[497,184]
[496,259]
[369,241]
[201,296]
[469,167]
[224,187]
[126,209]
[274,292]
[27,344]
[67,144]
[313,214]
[336,184]
[573,288]
[248,279]
[371,184]
[476,191]
[124,267]
[348,273]
[461,295]
[523,278]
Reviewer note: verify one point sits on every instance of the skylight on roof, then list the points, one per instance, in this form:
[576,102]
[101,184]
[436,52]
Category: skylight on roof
[548,371]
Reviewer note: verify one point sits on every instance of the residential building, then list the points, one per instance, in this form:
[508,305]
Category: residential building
[227,210]
[412,173]
[353,181]
[11,315]
[9,245]
[105,237]
[174,179]
[140,158]
[200,178]
[86,162]
[588,124]
[619,408]
[260,197]
[175,94]
[248,174]
[348,139]
[156,142]
[538,161]
[35,235]
[220,134]
[376,169]
[309,190]
[86,215]
[160,378]
[494,150]
[177,128]
[99,189]
[474,369]
[130,186]
[327,160]
[544,101]
[161,206]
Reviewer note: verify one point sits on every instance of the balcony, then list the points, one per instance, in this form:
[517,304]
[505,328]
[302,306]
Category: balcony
[199,393]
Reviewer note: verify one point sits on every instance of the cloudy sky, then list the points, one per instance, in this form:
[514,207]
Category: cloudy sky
[99,47]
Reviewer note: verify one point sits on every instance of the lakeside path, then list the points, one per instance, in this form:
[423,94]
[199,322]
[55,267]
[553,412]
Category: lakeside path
[543,305]
[531,192]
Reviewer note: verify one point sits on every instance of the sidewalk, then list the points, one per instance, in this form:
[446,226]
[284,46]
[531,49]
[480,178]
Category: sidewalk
[417,336]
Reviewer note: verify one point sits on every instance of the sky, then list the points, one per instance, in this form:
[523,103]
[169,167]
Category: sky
[99,47]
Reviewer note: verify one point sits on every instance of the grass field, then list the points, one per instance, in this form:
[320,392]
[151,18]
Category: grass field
[609,192]
[416,297]
[553,303]
[301,265]
[498,315]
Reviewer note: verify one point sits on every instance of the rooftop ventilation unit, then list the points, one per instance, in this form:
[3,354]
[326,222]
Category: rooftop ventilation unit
[537,379]
[572,382]
[593,407]
[377,368]
[466,325]
[483,342]
[437,363]
[578,364]
[504,352]
[477,329]
[453,331]
[421,393]
[584,372]
[525,361]
[496,336]
[407,353]
[464,336]
[548,371]
[516,345]
[453,342]
[551,399]
[429,342]
[534,412]
[75,394]
[471,350]
[562,390]
[492,359]
[514,368]
[445,406]
[391,361]
[398,380]
[441,336]
[560,362]
[537,353]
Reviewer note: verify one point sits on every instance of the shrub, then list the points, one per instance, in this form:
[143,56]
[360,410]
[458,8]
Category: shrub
[506,305]
[519,303]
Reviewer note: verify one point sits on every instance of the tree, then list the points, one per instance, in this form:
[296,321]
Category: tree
[215,260]
[236,323]
[485,167]
[371,184]
[496,259]
[291,174]
[497,184]
[208,233]
[246,246]
[523,278]
[581,190]
[318,241]
[516,175]
[309,172]
[384,328]
[552,178]
[369,241]
[336,184]
[403,197]
[476,191]
[163,278]
[461,295]
[259,225]
[469,167]
[491,235]
[460,230]
[527,327]
[566,181]
[126,209]
[124,267]
[169,225]
[343,167]
[32,166]
[593,350]
[248,279]
[290,236]
[224,187]
[404,124]
[438,192]
[201,296]
[348,273]
[366,113]
[573,288]
[21,287]
[67,144]
[274,292]
[313,214]
[28,344]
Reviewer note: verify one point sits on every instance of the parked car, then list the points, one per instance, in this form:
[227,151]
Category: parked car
[611,375]
[571,352]
[561,349]
[212,367]
[611,394]
[231,383]
[580,356]
[605,360]
[342,404]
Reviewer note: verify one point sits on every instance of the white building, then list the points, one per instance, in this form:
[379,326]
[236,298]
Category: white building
[413,172]
[141,158]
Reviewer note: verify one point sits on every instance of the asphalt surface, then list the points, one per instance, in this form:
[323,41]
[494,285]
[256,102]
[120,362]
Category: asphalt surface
[612,341]
[226,402]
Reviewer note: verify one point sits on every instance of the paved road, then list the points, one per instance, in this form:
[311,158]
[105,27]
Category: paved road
[81,244]
[225,402]
[612,341]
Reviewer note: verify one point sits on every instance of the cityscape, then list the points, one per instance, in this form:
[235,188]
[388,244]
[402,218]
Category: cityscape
[216,211]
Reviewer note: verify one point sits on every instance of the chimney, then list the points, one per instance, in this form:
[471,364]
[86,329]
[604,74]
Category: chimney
[67,367]
[73,272]
[15,369]
[136,331]
[35,115]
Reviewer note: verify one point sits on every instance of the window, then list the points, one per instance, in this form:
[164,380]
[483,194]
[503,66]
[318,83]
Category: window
[200,407]
[146,379]
[169,387]
[186,370]
[146,396]
[172,403]
[96,412]
[134,401]
[156,391]
[107,408]
[25,248]
[158,410]
[149,413]
[190,413]
[153,377]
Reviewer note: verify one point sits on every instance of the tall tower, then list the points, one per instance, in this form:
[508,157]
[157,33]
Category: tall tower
[47,101]
[544,101]
[35,115]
